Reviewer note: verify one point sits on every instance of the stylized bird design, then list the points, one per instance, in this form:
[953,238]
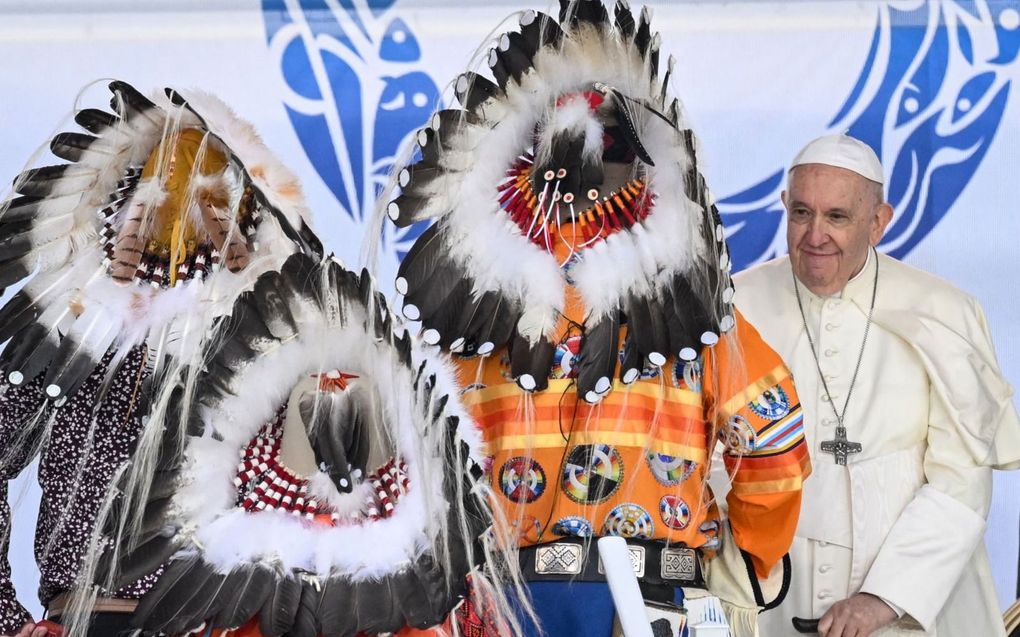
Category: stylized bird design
[929,100]
[355,91]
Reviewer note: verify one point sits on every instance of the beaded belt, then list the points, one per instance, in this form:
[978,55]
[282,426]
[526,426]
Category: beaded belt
[653,562]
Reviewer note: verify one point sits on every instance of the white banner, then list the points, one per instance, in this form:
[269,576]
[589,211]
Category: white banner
[334,86]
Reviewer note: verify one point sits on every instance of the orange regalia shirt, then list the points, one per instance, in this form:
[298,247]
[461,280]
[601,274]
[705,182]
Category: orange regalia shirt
[636,463]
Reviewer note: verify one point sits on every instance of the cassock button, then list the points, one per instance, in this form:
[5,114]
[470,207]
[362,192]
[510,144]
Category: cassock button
[824,568]
[824,594]
[831,352]
[830,326]
[822,543]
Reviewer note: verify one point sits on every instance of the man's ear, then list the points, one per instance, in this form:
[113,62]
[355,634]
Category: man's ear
[883,215]
[782,196]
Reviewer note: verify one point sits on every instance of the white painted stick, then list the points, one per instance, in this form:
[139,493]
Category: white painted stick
[623,585]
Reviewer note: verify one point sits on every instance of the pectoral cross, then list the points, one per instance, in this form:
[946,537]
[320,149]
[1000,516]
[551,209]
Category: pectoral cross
[840,448]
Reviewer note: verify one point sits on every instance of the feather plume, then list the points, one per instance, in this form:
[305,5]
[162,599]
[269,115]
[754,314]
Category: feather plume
[281,606]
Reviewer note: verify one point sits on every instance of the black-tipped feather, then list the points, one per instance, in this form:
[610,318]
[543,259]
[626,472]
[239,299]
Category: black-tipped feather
[473,89]
[514,55]
[144,559]
[74,361]
[647,325]
[534,361]
[624,20]
[406,210]
[243,596]
[199,600]
[688,304]
[423,180]
[273,307]
[500,72]
[643,35]
[16,246]
[578,12]
[277,614]
[246,325]
[451,316]
[134,103]
[338,617]
[22,209]
[492,322]
[653,55]
[305,623]
[18,313]
[633,359]
[434,282]
[598,356]
[625,118]
[428,251]
[540,32]
[39,182]
[501,326]
[403,345]
[375,607]
[95,120]
[71,146]
[154,609]
[30,351]
[451,121]
[13,271]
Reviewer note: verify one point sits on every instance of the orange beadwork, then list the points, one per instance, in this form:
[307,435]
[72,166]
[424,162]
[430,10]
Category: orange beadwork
[615,212]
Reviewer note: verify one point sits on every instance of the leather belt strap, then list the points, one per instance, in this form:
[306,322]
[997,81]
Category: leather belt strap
[59,604]
[653,562]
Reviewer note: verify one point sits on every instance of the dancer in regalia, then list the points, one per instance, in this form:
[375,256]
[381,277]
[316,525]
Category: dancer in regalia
[578,270]
[163,212]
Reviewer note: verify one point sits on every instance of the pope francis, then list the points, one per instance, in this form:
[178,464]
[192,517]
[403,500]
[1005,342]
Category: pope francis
[906,415]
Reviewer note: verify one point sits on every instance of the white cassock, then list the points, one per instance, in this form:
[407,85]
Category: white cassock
[905,518]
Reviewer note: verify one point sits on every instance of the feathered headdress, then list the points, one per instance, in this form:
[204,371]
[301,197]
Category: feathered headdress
[576,138]
[327,483]
[166,210]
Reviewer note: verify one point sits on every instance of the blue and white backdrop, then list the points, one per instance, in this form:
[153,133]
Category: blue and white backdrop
[335,86]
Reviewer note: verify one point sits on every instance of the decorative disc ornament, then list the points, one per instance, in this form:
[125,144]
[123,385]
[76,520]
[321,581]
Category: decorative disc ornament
[771,404]
[674,512]
[573,526]
[522,480]
[629,520]
[592,473]
[669,470]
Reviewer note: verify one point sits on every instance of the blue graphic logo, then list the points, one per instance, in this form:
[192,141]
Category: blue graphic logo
[355,90]
[929,100]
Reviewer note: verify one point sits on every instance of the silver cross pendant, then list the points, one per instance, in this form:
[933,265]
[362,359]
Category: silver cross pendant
[840,448]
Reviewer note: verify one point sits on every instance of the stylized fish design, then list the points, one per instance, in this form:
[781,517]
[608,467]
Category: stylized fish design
[929,100]
[354,91]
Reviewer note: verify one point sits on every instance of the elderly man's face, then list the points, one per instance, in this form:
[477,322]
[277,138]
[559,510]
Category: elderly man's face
[833,216]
